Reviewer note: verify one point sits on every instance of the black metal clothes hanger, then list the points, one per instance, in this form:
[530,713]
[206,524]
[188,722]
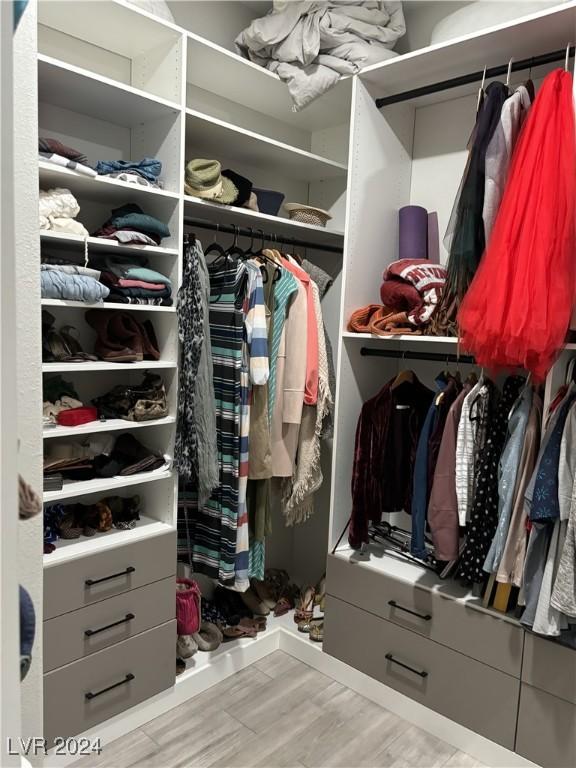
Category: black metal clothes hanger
[216,247]
[234,251]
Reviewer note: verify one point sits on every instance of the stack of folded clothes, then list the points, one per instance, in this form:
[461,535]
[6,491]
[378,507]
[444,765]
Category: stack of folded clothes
[58,209]
[70,521]
[72,282]
[58,395]
[129,224]
[100,455]
[145,172]
[53,151]
[130,281]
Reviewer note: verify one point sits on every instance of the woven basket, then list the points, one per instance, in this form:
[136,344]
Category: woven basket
[308,215]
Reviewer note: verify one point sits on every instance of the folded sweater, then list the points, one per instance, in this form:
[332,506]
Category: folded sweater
[59,285]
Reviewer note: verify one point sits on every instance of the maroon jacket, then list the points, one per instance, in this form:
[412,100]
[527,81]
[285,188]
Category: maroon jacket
[386,440]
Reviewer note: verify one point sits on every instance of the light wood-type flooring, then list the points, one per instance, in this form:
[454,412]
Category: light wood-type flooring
[279,713]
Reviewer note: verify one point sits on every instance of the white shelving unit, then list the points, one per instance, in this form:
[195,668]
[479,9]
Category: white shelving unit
[107,425]
[105,485]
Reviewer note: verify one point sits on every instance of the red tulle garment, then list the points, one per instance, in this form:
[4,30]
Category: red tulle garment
[518,307]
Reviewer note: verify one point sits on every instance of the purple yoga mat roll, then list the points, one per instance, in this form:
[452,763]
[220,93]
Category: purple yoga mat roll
[413,220]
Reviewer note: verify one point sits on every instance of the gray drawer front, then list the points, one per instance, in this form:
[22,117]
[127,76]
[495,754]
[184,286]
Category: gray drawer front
[465,629]
[64,636]
[550,667]
[473,694]
[64,585]
[546,729]
[149,657]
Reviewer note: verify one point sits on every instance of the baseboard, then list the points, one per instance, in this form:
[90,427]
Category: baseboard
[458,736]
[213,668]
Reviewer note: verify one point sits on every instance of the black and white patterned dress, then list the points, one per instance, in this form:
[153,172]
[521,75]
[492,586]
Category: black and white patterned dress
[484,517]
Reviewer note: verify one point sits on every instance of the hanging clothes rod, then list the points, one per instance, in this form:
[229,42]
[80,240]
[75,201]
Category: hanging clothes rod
[474,77]
[431,356]
[230,229]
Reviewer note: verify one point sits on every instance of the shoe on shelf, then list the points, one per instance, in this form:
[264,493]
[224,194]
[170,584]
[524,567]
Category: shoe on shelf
[253,602]
[305,605]
[317,630]
[186,646]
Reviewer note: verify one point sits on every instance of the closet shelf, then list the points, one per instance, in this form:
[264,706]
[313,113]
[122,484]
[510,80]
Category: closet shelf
[109,425]
[84,92]
[70,549]
[210,137]
[401,338]
[102,365]
[420,578]
[104,485]
[104,305]
[99,188]
[220,71]
[533,35]
[229,214]
[103,244]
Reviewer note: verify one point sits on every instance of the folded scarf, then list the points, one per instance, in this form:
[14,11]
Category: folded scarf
[148,275]
[141,293]
[56,147]
[380,321]
[65,162]
[149,168]
[117,299]
[133,217]
[123,283]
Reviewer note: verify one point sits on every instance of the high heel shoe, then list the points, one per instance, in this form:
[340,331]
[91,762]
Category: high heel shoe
[305,606]
[320,596]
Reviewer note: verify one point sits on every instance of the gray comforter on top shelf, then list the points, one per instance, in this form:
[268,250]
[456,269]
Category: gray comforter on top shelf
[310,45]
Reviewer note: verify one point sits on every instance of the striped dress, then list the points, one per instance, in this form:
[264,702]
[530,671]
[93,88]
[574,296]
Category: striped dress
[215,531]
[255,370]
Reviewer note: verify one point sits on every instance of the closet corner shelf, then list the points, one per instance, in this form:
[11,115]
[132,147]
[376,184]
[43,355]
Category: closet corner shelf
[104,305]
[102,244]
[218,70]
[71,549]
[102,365]
[229,214]
[520,38]
[400,338]
[420,578]
[109,425]
[99,188]
[81,91]
[104,485]
[206,134]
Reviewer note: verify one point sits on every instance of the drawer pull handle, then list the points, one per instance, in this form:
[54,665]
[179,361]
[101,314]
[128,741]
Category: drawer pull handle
[127,679]
[91,582]
[128,617]
[423,616]
[419,672]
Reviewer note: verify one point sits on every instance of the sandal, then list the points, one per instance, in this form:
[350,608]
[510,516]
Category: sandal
[258,623]
[237,632]
[74,345]
[287,600]
[305,606]
[317,630]
[320,596]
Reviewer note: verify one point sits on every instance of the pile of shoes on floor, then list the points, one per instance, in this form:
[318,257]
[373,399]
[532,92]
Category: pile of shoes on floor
[203,624]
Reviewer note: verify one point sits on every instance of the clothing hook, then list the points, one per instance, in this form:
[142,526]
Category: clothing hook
[217,231]
[567,59]
[509,72]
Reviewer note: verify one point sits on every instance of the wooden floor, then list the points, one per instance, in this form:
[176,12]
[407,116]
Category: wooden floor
[279,713]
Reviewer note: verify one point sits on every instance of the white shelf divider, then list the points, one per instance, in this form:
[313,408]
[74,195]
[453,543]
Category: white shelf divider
[102,244]
[248,218]
[102,365]
[206,134]
[71,549]
[104,485]
[108,425]
[64,303]
[99,188]
[80,90]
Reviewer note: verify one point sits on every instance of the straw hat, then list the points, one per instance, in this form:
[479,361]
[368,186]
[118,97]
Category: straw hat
[307,214]
[203,178]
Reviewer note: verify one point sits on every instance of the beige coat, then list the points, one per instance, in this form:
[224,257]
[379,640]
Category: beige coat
[290,384]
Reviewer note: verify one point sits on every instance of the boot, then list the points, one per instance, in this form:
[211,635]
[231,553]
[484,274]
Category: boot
[113,344]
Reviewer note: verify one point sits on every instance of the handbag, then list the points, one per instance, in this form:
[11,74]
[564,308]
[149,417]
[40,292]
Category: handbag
[188,598]
[131,402]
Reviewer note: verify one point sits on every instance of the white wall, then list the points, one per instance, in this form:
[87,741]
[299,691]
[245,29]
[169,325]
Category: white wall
[217,20]
[28,339]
